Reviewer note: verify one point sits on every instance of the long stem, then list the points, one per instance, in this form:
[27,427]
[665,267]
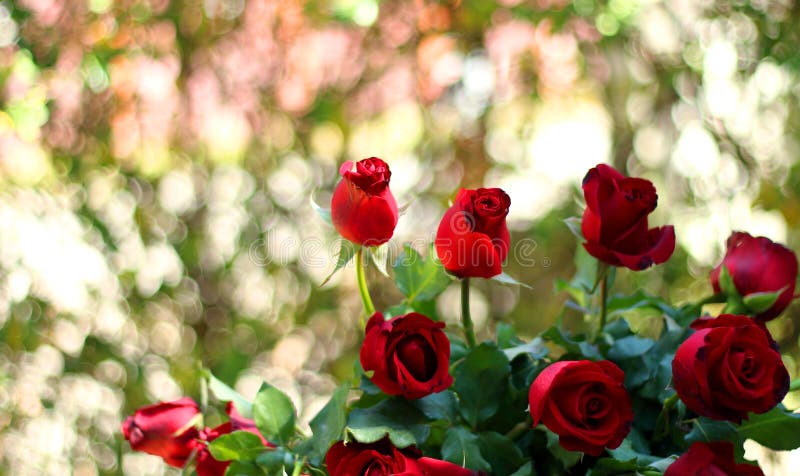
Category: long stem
[662,422]
[466,319]
[362,283]
[603,302]
[298,466]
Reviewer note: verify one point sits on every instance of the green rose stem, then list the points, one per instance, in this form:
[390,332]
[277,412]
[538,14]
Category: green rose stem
[362,283]
[298,466]
[466,319]
[603,301]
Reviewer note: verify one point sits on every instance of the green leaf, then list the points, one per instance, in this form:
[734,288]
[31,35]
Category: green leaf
[503,455]
[324,213]
[276,460]
[535,348]
[461,447]
[274,414]
[439,406]
[760,302]
[417,278]
[576,348]
[626,452]
[574,225]
[480,381]
[404,423]
[379,255]
[629,347]
[726,282]
[243,468]
[708,430]
[346,252]
[611,466]
[225,393]
[567,458]
[239,445]
[524,470]
[506,279]
[327,426]
[777,429]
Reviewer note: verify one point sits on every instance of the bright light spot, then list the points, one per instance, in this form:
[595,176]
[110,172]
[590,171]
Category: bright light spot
[697,153]
[720,60]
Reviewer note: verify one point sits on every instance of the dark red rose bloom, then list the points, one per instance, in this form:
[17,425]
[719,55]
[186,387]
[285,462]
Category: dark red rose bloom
[384,459]
[206,464]
[363,209]
[615,220]
[165,429]
[711,459]
[409,355]
[473,239]
[585,403]
[758,265]
[729,367]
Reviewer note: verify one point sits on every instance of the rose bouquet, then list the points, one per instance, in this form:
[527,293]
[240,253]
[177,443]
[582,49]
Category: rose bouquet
[677,396]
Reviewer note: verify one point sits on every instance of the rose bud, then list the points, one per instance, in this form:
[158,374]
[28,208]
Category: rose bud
[206,464]
[711,459]
[473,239]
[363,209]
[164,429]
[729,367]
[614,223]
[585,403]
[758,265]
[409,355]
[383,459]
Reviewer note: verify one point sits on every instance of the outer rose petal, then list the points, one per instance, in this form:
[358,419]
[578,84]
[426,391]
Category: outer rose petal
[382,352]
[164,429]
[661,244]
[435,467]
[759,265]
[711,459]
[362,218]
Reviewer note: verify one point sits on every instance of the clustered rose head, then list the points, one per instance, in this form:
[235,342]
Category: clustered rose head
[409,355]
[615,225]
[585,403]
[382,458]
[711,459]
[758,265]
[729,367]
[363,209]
[169,430]
[472,239]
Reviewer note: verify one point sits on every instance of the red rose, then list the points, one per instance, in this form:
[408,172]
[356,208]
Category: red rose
[757,265]
[409,355]
[164,429]
[206,464]
[585,403]
[384,459]
[473,240]
[729,367]
[363,209]
[711,459]
[615,220]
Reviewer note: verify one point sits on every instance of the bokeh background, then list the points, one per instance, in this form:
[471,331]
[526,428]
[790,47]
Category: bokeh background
[157,158]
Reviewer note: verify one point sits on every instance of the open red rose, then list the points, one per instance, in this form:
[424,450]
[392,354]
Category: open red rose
[384,459]
[614,223]
[585,403]
[758,265]
[363,209]
[409,355]
[206,464]
[711,459]
[165,429]
[729,367]
[472,239]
